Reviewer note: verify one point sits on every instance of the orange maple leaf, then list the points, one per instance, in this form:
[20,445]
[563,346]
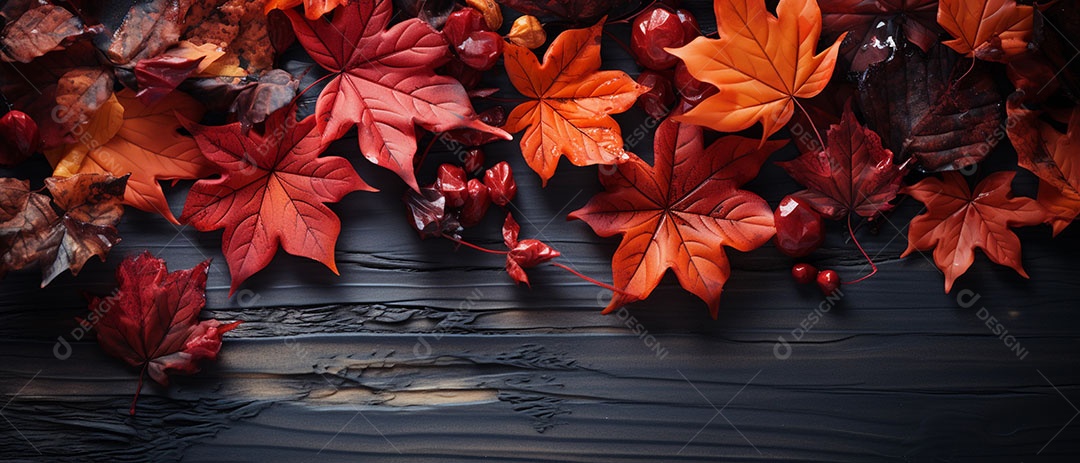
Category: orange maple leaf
[760,63]
[313,9]
[125,136]
[570,103]
[680,213]
[992,30]
[958,220]
[1051,155]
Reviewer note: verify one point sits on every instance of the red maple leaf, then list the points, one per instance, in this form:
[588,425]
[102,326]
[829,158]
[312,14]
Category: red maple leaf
[853,175]
[384,82]
[152,319]
[271,192]
[958,220]
[681,213]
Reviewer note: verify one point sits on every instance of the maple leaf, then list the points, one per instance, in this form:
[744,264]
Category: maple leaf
[958,220]
[313,9]
[1051,155]
[570,104]
[680,213]
[33,233]
[993,30]
[271,191]
[760,63]
[920,108]
[125,136]
[875,26]
[152,319]
[384,82]
[854,174]
[525,253]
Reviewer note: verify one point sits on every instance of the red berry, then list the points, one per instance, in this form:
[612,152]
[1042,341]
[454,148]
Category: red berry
[828,281]
[691,29]
[494,116]
[659,99]
[481,50]
[474,161]
[804,273]
[451,183]
[799,228]
[461,24]
[653,30]
[18,138]
[500,181]
[476,204]
[692,90]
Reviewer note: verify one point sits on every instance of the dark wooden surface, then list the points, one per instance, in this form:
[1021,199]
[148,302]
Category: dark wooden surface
[422,352]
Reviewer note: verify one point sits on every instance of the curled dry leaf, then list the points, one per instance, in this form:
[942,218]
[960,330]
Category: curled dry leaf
[527,32]
[958,220]
[384,82]
[854,174]
[127,137]
[271,192]
[147,29]
[152,320]
[680,213]
[33,233]
[570,103]
[750,92]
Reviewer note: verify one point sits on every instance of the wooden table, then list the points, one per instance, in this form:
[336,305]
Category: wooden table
[423,352]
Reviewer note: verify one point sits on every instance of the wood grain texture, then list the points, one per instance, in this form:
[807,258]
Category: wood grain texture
[423,352]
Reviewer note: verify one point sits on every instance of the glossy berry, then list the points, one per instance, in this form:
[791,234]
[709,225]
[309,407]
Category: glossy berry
[476,203]
[691,29]
[481,50]
[799,228]
[18,138]
[691,89]
[500,181]
[828,281]
[473,161]
[451,183]
[657,102]
[494,116]
[461,24]
[653,30]
[804,273]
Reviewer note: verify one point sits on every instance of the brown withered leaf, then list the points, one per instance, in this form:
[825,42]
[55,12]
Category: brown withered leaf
[917,105]
[252,98]
[147,29]
[79,93]
[38,32]
[64,233]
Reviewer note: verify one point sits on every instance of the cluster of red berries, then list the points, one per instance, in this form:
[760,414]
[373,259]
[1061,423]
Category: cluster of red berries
[653,30]
[799,232]
[455,201]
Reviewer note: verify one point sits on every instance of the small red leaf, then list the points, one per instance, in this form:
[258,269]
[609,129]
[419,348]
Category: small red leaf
[152,320]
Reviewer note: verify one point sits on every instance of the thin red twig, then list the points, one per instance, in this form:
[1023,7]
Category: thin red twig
[863,251]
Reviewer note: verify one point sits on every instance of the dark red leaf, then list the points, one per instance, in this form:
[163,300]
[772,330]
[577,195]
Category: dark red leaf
[152,320]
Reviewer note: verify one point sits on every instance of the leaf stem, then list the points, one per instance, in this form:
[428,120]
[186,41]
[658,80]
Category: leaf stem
[809,119]
[591,280]
[138,389]
[863,251]
[317,81]
[470,245]
[419,161]
[618,41]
